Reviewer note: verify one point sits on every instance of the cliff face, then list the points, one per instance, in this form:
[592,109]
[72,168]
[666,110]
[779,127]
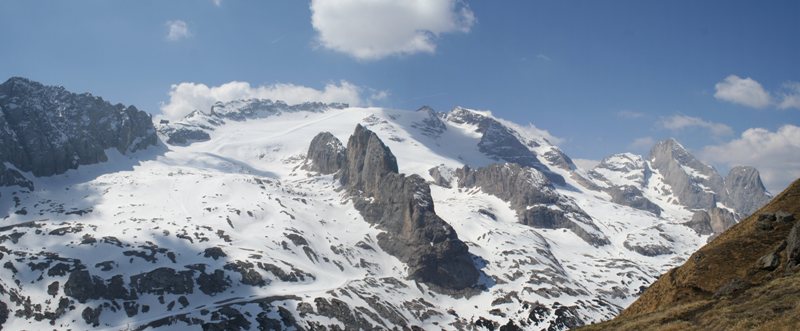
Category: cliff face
[746,278]
[47,130]
[400,205]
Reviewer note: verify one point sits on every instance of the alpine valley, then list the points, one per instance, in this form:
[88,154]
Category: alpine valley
[259,215]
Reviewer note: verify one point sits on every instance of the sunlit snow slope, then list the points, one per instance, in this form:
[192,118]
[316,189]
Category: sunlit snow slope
[226,229]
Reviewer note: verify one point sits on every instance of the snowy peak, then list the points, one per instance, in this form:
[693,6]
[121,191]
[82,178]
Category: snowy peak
[622,169]
[696,185]
[502,143]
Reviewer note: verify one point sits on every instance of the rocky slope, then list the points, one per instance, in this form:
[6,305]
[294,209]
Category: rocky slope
[46,130]
[746,279]
[256,215]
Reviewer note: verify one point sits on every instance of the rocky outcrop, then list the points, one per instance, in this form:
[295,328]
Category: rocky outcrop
[432,125]
[533,197]
[47,130]
[712,221]
[696,185]
[501,143]
[326,154]
[402,207]
[631,196]
[11,177]
[744,191]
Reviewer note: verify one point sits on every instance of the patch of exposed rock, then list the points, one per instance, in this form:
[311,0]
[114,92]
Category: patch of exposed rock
[501,143]
[628,195]
[533,197]
[714,221]
[326,154]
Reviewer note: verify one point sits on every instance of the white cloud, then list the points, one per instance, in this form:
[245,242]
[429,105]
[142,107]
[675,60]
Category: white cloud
[177,30]
[629,114]
[187,97]
[775,154]
[790,97]
[642,143]
[743,91]
[374,29]
[680,122]
[543,57]
[217,2]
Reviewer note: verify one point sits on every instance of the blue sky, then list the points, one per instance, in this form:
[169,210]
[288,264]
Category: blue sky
[603,76]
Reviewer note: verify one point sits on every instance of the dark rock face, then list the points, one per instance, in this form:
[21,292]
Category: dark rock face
[402,206]
[745,192]
[531,195]
[326,154]
[163,280]
[431,126]
[11,177]
[712,221]
[648,250]
[628,195]
[501,143]
[47,130]
[696,185]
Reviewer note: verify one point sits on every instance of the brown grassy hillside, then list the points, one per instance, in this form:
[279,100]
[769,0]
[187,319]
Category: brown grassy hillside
[730,283]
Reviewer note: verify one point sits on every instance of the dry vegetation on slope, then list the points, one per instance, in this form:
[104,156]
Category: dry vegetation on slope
[746,279]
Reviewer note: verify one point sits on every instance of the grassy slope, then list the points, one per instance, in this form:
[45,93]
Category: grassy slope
[684,298]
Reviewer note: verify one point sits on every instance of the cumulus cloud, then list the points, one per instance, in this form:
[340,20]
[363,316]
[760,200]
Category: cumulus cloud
[790,97]
[177,30]
[681,122]
[187,97]
[775,154]
[743,91]
[642,143]
[374,29]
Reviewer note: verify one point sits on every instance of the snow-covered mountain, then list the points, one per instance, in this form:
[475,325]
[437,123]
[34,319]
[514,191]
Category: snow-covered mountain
[256,214]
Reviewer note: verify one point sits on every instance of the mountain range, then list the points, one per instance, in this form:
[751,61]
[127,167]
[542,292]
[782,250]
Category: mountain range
[257,214]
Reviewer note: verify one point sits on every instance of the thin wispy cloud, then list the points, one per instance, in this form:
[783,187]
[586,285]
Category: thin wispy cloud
[677,123]
[177,30]
[543,57]
[375,29]
[629,114]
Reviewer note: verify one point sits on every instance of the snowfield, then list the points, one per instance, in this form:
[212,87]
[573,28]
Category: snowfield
[234,232]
